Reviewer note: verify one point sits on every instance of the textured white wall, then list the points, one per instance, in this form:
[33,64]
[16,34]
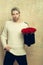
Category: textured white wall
[32,12]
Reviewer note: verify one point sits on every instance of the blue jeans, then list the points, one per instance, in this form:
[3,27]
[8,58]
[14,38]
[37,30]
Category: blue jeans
[10,58]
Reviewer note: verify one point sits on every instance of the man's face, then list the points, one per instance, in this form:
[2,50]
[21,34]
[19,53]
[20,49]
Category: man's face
[15,15]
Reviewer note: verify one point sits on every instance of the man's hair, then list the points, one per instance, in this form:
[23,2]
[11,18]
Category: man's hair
[15,9]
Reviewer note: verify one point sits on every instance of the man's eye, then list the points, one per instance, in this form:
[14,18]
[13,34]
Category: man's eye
[17,13]
[13,14]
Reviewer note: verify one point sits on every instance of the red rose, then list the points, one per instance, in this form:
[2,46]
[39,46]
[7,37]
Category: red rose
[28,30]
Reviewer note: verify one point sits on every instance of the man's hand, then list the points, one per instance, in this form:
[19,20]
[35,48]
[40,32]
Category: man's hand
[7,47]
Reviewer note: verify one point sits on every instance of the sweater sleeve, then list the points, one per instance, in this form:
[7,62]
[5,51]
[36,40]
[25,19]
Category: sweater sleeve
[4,36]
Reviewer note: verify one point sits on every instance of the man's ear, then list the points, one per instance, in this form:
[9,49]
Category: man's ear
[19,14]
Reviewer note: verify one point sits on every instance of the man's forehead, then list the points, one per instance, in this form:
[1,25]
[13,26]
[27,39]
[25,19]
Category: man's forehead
[15,11]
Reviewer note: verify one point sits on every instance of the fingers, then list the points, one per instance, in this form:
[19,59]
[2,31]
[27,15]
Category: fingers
[7,48]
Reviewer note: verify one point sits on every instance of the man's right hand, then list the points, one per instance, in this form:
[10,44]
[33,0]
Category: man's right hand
[7,47]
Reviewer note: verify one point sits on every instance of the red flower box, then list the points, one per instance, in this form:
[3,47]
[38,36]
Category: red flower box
[29,36]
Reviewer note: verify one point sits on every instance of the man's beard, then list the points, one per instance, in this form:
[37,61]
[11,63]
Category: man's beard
[15,19]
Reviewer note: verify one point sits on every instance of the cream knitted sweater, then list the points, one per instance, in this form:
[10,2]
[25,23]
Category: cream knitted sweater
[12,33]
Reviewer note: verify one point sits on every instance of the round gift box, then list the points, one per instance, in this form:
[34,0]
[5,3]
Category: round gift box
[29,39]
